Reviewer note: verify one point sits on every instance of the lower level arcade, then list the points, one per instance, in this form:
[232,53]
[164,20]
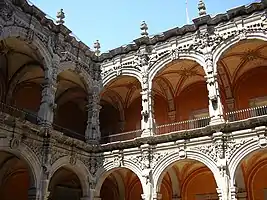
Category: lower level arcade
[185,179]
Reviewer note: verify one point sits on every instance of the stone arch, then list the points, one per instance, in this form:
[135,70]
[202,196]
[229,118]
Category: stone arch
[78,168]
[21,33]
[160,64]
[226,45]
[26,154]
[164,164]
[124,72]
[236,158]
[16,78]
[80,71]
[109,167]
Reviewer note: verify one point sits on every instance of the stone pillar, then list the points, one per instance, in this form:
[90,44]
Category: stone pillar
[92,134]
[215,104]
[146,172]
[48,106]
[148,122]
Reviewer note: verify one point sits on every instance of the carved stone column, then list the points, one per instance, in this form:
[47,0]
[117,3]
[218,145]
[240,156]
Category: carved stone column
[92,133]
[148,121]
[224,189]
[48,106]
[46,165]
[215,104]
[147,172]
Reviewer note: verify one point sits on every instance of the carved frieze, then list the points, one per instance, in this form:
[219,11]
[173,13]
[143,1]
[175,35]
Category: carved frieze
[6,11]
[208,150]
[57,153]
[234,145]
[205,41]
[35,146]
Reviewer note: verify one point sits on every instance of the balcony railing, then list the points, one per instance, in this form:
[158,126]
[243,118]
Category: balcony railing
[19,113]
[69,132]
[121,136]
[246,113]
[162,129]
[183,125]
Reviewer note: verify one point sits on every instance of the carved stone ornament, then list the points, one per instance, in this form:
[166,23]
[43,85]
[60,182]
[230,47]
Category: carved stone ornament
[156,157]
[6,11]
[206,41]
[56,154]
[15,143]
[235,145]
[73,160]
[118,160]
[36,147]
[208,150]
[93,165]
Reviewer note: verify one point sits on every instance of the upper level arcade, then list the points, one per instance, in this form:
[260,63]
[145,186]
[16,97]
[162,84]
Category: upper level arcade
[207,73]
[46,76]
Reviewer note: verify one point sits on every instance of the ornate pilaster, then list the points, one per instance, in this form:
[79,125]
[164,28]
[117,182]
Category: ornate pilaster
[48,106]
[205,41]
[143,61]
[92,133]
[215,105]
[46,165]
[220,143]
[147,171]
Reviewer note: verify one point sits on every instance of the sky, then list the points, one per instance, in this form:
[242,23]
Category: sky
[117,22]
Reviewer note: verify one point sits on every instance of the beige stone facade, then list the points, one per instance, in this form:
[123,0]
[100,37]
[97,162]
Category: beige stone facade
[180,115]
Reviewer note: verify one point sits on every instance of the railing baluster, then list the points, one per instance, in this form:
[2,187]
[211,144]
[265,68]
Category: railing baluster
[246,113]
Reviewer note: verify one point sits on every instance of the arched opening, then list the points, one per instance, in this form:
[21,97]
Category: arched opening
[22,75]
[121,184]
[71,99]
[251,175]
[242,78]
[65,184]
[187,179]
[180,94]
[121,109]
[14,174]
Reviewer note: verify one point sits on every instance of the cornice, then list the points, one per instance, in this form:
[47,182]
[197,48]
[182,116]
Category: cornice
[137,43]
[50,25]
[186,29]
